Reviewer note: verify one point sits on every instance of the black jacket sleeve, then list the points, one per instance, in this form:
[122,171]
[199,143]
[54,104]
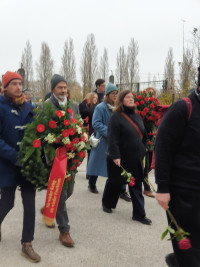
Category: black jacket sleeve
[170,135]
[114,137]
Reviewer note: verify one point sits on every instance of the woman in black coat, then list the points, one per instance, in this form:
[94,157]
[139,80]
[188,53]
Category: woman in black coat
[86,109]
[126,148]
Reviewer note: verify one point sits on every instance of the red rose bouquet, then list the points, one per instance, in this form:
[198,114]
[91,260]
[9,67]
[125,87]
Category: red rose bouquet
[49,130]
[145,104]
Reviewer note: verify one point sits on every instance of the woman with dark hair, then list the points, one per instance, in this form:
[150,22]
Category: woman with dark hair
[86,109]
[126,148]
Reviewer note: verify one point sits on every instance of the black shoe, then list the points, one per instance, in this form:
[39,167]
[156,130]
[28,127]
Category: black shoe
[143,220]
[125,196]
[93,189]
[106,209]
[171,260]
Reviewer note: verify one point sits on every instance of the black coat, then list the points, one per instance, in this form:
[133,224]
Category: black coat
[177,148]
[125,143]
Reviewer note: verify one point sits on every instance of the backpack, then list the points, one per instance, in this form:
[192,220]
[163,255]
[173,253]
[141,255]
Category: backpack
[189,109]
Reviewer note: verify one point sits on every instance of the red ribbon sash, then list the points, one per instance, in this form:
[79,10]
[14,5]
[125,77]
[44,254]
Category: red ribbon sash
[55,184]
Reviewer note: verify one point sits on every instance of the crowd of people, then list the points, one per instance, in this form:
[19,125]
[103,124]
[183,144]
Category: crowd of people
[111,116]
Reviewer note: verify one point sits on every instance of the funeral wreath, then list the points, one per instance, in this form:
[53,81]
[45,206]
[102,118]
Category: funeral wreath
[50,130]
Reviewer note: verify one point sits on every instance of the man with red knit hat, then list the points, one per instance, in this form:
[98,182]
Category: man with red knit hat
[15,113]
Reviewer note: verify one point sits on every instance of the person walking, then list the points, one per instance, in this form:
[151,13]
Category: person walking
[97,162]
[86,111]
[126,148]
[15,113]
[58,98]
[177,173]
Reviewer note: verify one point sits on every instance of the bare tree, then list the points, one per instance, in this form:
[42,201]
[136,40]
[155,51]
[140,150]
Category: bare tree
[133,64]
[27,63]
[121,69]
[44,69]
[68,62]
[104,66]
[187,72]
[89,64]
[169,70]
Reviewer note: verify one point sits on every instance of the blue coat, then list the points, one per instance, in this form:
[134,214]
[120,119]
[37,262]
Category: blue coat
[97,165]
[11,117]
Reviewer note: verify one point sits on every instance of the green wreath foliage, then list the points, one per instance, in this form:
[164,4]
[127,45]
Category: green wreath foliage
[49,130]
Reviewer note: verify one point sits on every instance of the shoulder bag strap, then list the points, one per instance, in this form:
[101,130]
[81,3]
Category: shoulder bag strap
[189,106]
[136,127]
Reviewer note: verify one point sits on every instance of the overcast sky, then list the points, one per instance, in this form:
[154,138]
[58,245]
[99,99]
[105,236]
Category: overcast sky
[155,24]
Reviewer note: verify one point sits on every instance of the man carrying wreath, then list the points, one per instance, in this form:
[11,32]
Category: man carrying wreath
[58,98]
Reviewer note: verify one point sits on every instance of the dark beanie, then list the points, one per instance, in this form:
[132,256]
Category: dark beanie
[56,79]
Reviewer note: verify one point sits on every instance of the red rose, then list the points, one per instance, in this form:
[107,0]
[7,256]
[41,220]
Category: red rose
[66,122]
[151,105]
[72,168]
[40,128]
[65,133]
[73,148]
[157,102]
[153,113]
[81,125]
[150,118]
[132,183]
[133,94]
[74,120]
[139,97]
[138,111]
[36,143]
[137,103]
[86,119]
[75,160]
[142,102]
[52,124]
[146,110]
[82,138]
[72,131]
[146,99]
[82,154]
[75,140]
[88,127]
[70,111]
[149,143]
[59,113]
[143,113]
[69,146]
[144,92]
[68,179]
[151,99]
[58,140]
[184,243]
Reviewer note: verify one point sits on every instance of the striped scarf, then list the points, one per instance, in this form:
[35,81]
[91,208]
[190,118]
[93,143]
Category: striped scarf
[18,100]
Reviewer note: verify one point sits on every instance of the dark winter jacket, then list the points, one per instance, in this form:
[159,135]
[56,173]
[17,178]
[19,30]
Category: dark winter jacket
[125,143]
[177,148]
[13,119]
[56,105]
[87,111]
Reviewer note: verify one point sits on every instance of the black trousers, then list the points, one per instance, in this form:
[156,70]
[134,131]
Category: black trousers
[185,206]
[111,195]
[28,200]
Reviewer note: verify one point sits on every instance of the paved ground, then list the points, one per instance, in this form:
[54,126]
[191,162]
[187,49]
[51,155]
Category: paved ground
[102,240]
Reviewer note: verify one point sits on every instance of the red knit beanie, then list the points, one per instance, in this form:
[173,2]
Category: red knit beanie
[9,76]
